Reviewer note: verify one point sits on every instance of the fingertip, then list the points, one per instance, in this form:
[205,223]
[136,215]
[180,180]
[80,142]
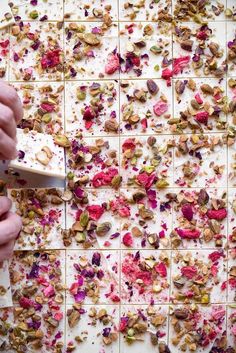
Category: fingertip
[5,204]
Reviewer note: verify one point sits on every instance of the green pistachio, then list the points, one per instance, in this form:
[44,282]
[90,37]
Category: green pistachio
[34,14]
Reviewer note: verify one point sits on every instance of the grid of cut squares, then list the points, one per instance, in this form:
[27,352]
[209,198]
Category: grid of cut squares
[141,267]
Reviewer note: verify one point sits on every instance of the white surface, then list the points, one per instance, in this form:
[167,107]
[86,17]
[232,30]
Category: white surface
[31,143]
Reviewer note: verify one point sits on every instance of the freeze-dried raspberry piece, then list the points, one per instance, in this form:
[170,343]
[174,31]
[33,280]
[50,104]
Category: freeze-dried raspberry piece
[95,212]
[219,215]
[160,108]
[113,64]
[202,117]
[128,239]
[188,233]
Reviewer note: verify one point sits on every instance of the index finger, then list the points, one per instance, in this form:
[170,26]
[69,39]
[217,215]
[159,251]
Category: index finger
[5,205]
[10,228]
[10,98]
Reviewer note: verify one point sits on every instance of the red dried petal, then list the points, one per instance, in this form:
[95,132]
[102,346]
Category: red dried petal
[166,74]
[88,113]
[232,283]
[136,61]
[128,144]
[161,269]
[198,98]
[115,298]
[187,211]
[104,178]
[51,59]
[215,256]
[123,324]
[5,44]
[189,271]
[180,63]
[214,270]
[145,180]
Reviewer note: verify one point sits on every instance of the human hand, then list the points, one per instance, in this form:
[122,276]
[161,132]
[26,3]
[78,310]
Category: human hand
[11,112]
[10,226]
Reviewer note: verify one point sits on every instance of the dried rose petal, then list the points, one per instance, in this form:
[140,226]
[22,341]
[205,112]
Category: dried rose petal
[215,256]
[51,59]
[104,178]
[129,144]
[146,180]
[187,211]
[123,324]
[180,63]
[88,113]
[198,98]
[80,296]
[96,259]
[161,269]
[189,271]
